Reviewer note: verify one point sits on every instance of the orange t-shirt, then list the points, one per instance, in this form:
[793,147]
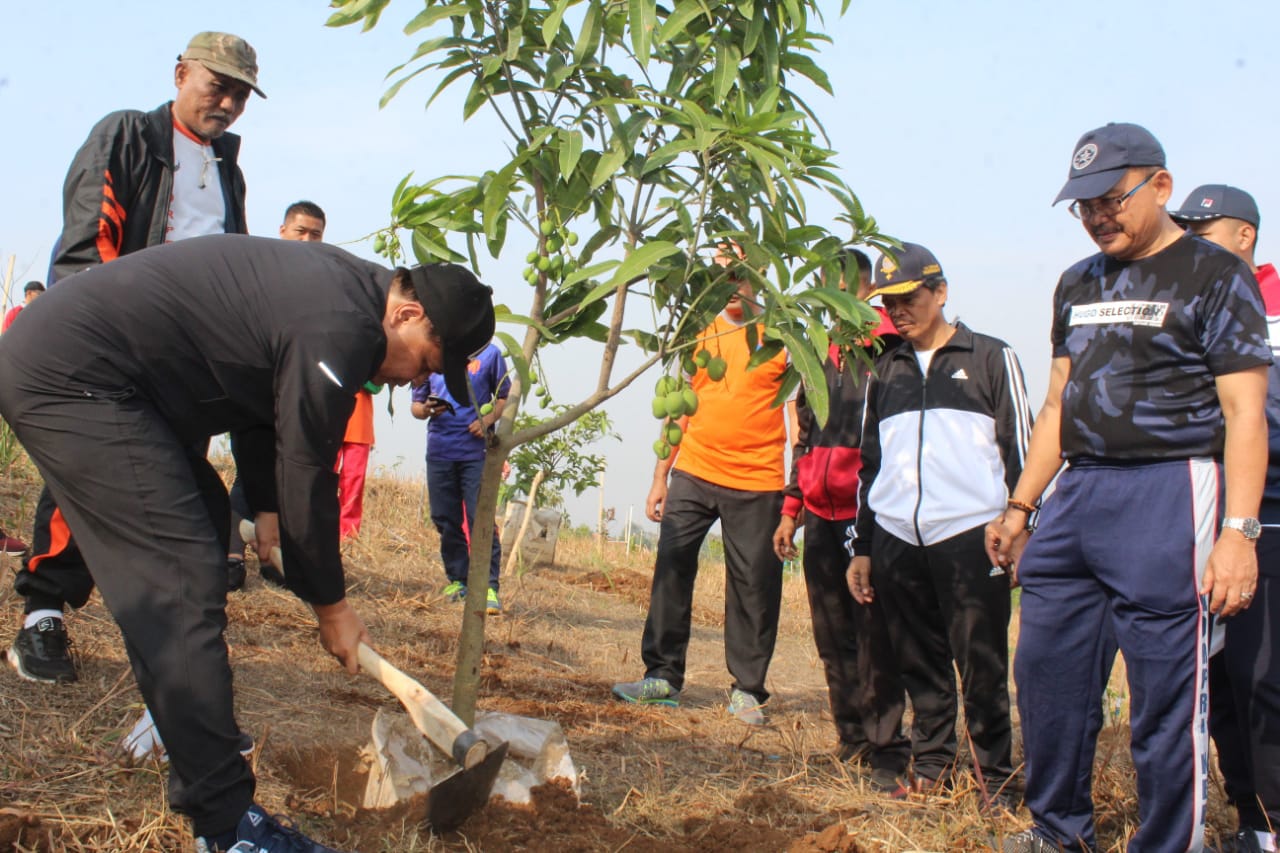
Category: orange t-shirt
[736,439]
[360,427]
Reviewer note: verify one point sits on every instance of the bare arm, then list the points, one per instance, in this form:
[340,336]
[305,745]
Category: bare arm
[658,490]
[1044,458]
[1232,569]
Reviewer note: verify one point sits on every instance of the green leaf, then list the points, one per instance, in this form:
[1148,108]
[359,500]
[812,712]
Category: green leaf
[431,14]
[806,361]
[570,152]
[496,197]
[551,26]
[681,16]
[514,351]
[608,165]
[589,272]
[641,259]
[589,34]
[643,17]
[725,75]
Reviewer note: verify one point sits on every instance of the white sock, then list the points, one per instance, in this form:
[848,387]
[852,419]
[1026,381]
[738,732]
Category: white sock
[1266,840]
[36,615]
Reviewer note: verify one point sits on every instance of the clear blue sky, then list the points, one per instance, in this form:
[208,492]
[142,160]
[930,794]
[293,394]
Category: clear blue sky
[954,122]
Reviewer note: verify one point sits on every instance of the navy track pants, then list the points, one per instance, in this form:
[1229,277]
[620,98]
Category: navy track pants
[1117,560]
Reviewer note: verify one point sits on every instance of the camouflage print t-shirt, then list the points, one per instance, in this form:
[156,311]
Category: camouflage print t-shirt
[1146,339]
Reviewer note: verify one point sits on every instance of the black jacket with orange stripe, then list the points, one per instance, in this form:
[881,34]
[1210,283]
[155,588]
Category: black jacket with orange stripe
[825,460]
[115,199]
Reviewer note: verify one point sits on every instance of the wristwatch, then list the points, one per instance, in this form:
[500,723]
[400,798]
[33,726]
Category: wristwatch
[1250,528]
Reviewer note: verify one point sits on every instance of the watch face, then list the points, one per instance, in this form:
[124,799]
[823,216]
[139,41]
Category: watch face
[1250,528]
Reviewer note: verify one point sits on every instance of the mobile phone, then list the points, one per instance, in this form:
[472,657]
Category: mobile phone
[435,401]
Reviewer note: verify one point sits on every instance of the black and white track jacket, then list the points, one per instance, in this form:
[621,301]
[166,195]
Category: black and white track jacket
[941,453]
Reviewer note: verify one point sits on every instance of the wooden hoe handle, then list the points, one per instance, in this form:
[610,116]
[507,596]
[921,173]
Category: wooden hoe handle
[432,717]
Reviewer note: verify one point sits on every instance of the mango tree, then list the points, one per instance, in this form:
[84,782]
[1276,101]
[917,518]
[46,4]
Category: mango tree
[641,135]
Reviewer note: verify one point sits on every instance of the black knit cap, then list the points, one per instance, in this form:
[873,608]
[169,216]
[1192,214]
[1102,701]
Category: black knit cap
[460,308]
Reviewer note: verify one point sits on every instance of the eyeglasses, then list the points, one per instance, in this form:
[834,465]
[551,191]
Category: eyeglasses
[1105,206]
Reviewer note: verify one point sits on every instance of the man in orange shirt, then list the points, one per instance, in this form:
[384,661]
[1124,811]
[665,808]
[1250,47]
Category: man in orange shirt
[729,467]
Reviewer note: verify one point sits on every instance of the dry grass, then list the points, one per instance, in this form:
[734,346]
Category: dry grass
[654,779]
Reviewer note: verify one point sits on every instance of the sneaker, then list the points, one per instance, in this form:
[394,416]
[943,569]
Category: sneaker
[1249,841]
[746,708]
[1028,842]
[235,574]
[648,691]
[455,591]
[493,606]
[12,547]
[259,832]
[40,653]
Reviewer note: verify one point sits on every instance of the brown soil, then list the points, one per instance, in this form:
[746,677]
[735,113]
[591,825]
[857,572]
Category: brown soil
[654,780]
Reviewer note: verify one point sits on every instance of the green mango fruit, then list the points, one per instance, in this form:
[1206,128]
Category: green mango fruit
[661,449]
[659,407]
[702,358]
[675,404]
[690,401]
[716,368]
[674,434]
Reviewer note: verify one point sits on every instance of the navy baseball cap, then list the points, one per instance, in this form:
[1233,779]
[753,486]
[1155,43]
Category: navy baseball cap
[460,308]
[1102,157]
[915,265]
[1217,201]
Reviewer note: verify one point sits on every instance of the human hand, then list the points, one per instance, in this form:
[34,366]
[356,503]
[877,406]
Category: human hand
[859,579]
[1231,574]
[784,538]
[266,533]
[1001,534]
[341,633]
[657,497]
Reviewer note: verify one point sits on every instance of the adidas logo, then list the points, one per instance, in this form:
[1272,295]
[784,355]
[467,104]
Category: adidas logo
[254,816]
[960,374]
[996,571]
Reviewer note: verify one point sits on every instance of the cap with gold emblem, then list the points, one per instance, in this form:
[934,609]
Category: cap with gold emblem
[910,267]
[223,53]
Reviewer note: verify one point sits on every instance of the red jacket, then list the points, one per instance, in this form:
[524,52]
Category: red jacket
[826,460]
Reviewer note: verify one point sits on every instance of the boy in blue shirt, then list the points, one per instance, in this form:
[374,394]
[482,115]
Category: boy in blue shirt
[455,459]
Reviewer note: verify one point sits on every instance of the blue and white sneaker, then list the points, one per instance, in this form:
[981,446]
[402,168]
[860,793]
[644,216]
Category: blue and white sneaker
[259,832]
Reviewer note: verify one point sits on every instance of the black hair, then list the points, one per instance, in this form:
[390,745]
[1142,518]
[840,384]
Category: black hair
[855,258]
[33,286]
[304,207]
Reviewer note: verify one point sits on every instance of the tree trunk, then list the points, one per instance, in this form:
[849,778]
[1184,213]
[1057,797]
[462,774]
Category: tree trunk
[524,522]
[466,676]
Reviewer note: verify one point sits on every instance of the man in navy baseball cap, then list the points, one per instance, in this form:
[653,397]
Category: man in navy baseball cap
[1103,156]
[1221,214]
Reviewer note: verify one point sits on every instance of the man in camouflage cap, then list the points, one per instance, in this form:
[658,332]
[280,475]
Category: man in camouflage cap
[141,179]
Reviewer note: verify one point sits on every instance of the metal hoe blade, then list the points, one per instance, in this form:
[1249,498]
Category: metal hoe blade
[464,793]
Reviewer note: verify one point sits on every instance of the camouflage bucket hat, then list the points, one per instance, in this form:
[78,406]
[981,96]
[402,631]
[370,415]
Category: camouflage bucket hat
[223,53]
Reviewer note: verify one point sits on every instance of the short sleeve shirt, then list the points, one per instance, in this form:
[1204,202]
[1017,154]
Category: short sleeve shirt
[1146,340]
[449,437]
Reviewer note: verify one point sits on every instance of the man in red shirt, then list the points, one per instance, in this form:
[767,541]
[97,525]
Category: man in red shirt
[29,293]
[1244,684]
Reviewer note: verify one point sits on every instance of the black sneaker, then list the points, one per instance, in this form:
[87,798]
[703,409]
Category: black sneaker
[40,653]
[259,832]
[235,574]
